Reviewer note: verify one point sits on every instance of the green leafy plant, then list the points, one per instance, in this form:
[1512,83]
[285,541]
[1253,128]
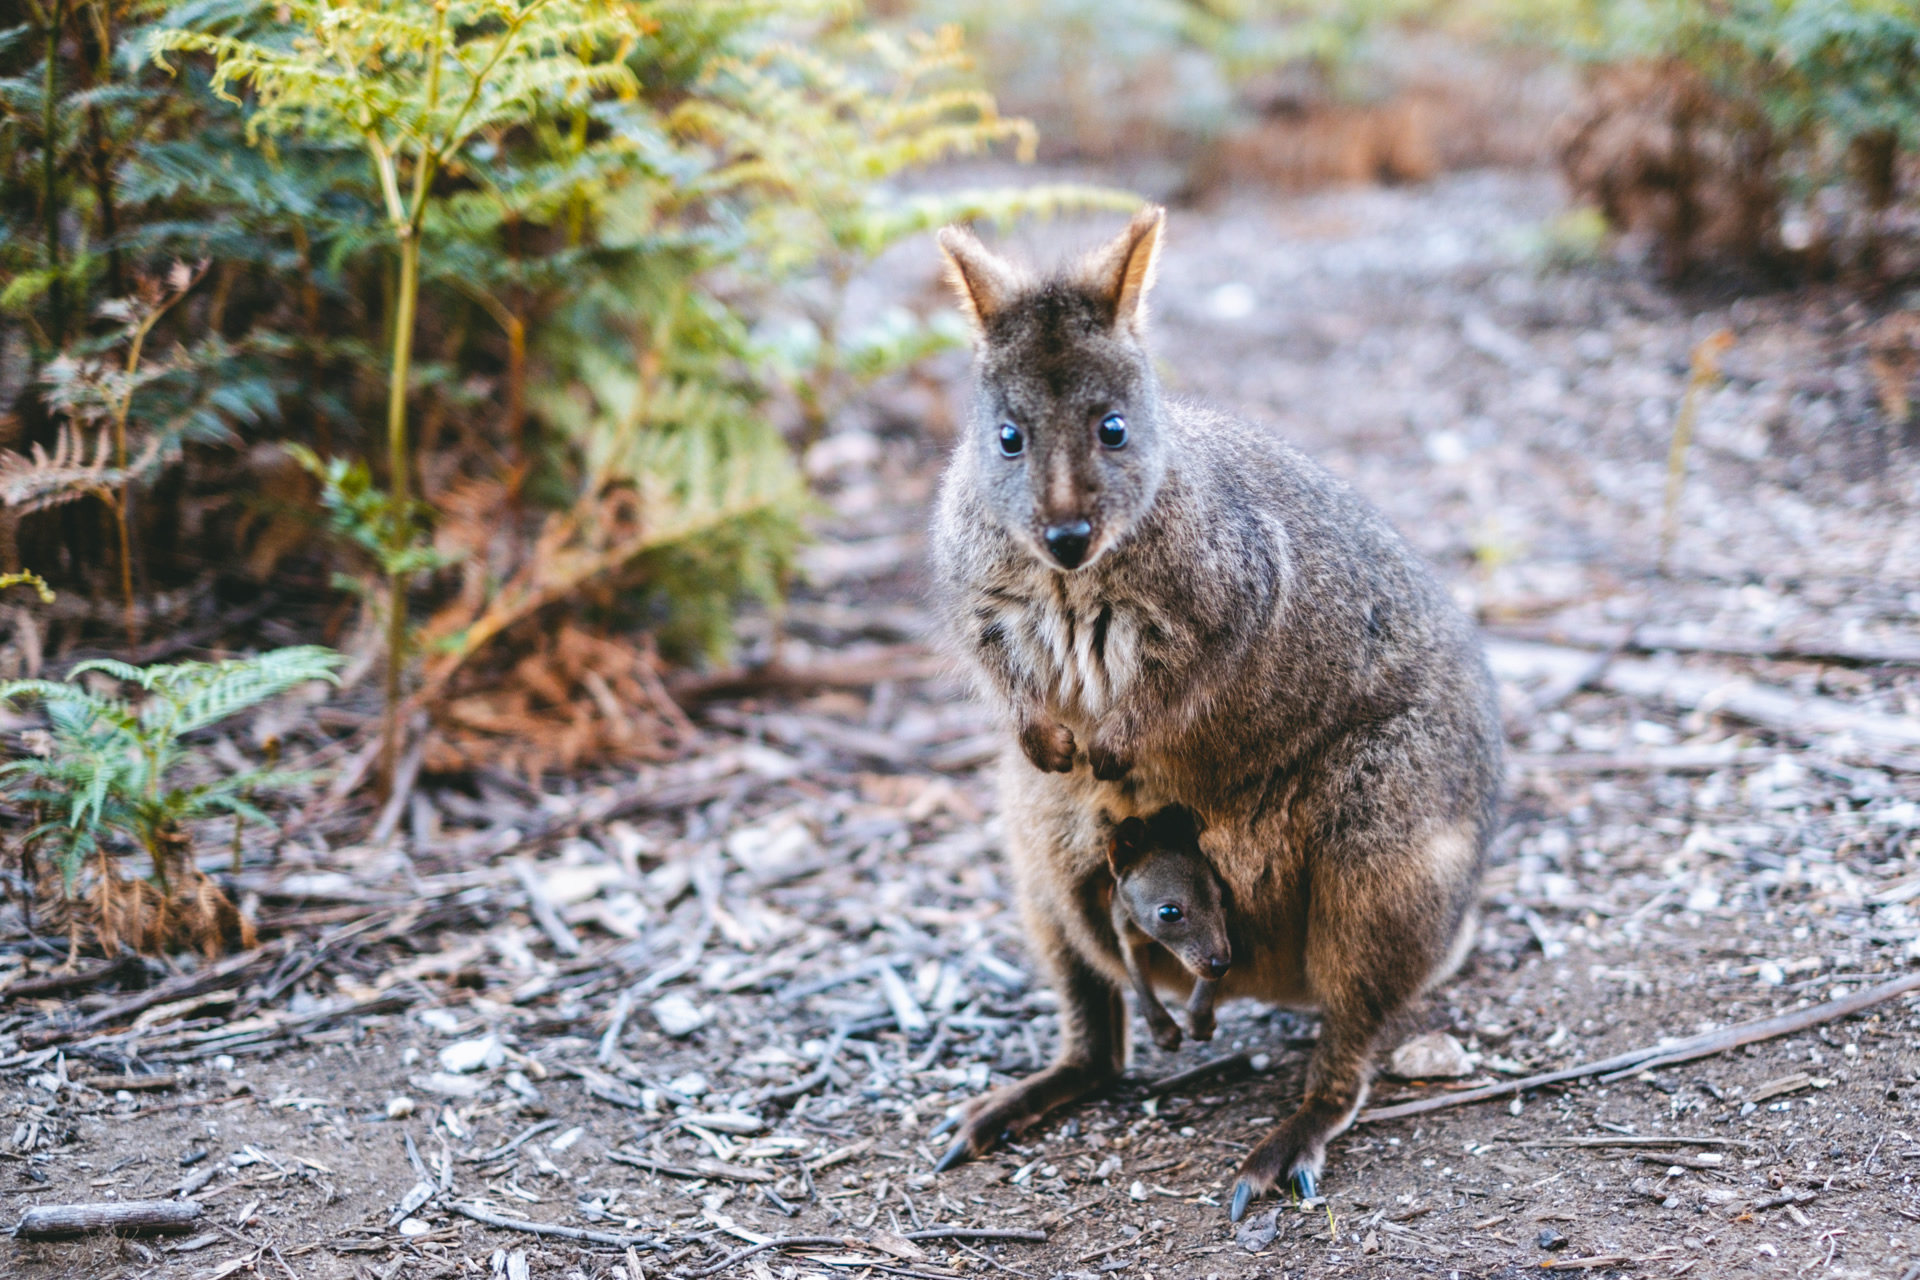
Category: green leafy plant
[413,85]
[112,772]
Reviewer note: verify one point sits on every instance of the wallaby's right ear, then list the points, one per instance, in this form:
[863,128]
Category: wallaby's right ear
[981,279]
[1121,271]
[1128,843]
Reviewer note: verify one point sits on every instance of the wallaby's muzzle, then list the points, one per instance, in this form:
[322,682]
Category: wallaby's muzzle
[1067,542]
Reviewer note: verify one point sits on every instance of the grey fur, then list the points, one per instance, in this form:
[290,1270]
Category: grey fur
[1246,637]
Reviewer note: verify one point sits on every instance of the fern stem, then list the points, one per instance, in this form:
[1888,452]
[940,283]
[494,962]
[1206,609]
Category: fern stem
[49,157]
[402,531]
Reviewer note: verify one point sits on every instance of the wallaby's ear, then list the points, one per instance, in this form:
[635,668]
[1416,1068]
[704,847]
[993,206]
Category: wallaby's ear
[981,279]
[1121,271]
[1128,843]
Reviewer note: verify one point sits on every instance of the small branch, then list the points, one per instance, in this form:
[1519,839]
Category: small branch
[65,1221]
[1193,1075]
[974,1233]
[1687,1050]
[816,1077]
[778,1242]
[477,1214]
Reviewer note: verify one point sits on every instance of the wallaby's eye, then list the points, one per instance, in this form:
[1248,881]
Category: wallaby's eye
[1011,441]
[1113,431]
[1170,913]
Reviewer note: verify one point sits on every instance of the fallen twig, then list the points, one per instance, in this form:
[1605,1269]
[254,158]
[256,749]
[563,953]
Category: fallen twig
[1192,1075]
[505,1223]
[702,1168]
[1631,1140]
[65,1221]
[814,1078]
[1654,638]
[59,983]
[778,1242]
[1700,1046]
[512,1145]
[975,1233]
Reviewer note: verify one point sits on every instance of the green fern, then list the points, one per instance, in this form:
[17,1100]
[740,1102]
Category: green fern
[110,767]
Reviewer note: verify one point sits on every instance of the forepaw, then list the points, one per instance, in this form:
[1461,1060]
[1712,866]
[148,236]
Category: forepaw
[1202,1028]
[1280,1158]
[1049,745]
[1165,1034]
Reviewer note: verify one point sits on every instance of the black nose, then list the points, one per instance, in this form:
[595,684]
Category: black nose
[1217,966]
[1068,542]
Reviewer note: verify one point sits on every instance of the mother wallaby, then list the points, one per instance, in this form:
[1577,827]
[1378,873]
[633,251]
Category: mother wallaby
[1173,606]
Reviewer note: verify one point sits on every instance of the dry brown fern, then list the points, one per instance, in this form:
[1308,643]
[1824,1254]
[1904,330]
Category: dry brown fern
[77,468]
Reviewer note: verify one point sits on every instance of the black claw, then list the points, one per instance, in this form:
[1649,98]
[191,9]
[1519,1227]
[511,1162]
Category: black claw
[1242,1195]
[1304,1184]
[957,1154]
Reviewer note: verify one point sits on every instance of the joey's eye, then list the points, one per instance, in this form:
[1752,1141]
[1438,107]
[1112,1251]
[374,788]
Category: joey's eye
[1113,431]
[1011,441]
[1170,913]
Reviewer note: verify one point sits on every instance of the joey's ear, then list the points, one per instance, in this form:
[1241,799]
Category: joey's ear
[1121,271]
[1129,842]
[981,279]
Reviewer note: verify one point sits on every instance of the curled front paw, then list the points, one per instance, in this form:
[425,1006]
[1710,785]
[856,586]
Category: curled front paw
[1049,744]
[1165,1032]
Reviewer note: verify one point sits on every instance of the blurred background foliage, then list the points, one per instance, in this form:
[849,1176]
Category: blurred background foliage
[633,250]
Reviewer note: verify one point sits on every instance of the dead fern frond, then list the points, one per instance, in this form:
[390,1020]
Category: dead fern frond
[78,467]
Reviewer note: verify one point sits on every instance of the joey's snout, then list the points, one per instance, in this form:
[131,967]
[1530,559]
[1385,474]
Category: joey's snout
[1209,960]
[1067,541]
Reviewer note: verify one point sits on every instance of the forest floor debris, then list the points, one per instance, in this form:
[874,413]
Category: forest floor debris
[673,1020]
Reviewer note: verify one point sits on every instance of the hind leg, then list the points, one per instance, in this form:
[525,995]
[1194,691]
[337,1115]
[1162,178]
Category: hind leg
[1376,931]
[1337,1080]
[1092,1053]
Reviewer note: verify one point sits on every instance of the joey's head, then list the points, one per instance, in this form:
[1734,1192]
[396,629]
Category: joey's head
[1169,890]
[1068,429]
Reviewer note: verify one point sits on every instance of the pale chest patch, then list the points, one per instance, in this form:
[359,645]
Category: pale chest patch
[1079,648]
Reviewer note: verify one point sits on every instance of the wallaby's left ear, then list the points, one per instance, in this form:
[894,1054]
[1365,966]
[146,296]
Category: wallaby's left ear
[1129,841]
[1121,271]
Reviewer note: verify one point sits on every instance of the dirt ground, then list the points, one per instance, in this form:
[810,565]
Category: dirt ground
[823,879]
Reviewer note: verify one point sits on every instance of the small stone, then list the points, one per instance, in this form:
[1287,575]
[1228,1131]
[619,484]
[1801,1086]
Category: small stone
[1138,1191]
[1260,1061]
[473,1055]
[1433,1056]
[690,1085]
[223,1062]
[447,1085]
[1257,1231]
[399,1107]
[678,1016]
[414,1227]
[1550,1240]
[445,1021]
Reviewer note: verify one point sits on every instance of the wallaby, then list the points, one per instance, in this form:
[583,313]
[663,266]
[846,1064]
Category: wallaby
[1172,606]
[1165,893]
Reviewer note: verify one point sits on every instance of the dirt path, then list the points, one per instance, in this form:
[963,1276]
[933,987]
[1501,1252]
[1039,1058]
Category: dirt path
[824,879]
